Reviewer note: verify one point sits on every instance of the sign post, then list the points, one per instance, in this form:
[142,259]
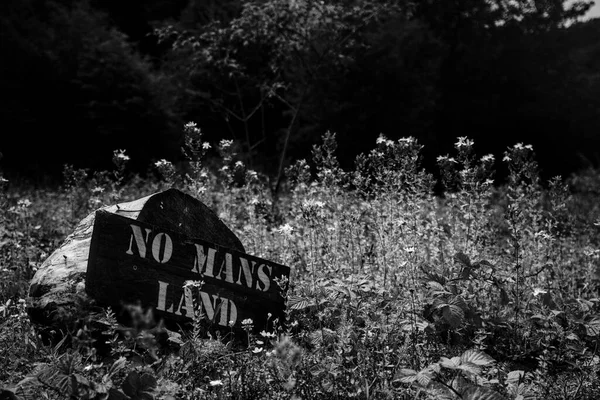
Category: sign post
[133,261]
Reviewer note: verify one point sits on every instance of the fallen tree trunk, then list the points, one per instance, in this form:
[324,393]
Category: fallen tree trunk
[57,296]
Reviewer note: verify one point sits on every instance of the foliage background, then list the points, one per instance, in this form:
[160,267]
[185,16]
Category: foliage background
[80,79]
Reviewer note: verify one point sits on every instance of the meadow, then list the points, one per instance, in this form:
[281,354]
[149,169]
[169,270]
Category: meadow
[479,291]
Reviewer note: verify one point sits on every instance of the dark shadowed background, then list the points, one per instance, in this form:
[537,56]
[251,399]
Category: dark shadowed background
[80,79]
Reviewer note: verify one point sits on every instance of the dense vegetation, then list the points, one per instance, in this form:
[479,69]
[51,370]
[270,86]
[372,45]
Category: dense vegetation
[485,292]
[80,78]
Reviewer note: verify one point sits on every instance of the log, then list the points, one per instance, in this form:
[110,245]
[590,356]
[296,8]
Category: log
[57,294]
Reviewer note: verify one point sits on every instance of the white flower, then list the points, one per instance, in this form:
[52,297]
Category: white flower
[266,334]
[407,140]
[24,203]
[193,284]
[381,139]
[216,382]
[257,350]
[537,291]
[120,155]
[285,230]
[488,158]
[239,164]
[225,144]
[463,141]
[206,145]
[161,163]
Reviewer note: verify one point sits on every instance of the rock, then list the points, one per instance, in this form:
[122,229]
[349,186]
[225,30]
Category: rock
[57,296]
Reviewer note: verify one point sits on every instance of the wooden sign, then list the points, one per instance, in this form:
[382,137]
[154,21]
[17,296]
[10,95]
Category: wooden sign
[133,261]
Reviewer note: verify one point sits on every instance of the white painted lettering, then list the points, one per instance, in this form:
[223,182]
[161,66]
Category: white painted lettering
[167,248]
[139,240]
[203,262]
[263,278]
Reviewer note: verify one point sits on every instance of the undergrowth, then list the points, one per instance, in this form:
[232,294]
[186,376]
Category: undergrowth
[485,292]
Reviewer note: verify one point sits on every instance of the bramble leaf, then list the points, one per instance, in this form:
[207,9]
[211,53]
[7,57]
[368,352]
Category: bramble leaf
[476,357]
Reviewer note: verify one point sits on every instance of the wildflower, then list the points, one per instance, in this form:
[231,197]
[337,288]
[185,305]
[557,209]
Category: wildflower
[257,350]
[231,324]
[311,203]
[216,382]
[506,158]
[251,175]
[247,322]
[225,144]
[192,284]
[206,145]
[97,190]
[463,141]
[266,334]
[537,291]
[441,159]
[162,163]
[120,155]
[521,146]
[285,230]
[24,203]
[488,158]
[239,164]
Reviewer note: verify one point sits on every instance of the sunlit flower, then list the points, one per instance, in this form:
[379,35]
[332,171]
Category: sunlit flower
[285,230]
[193,284]
[225,144]
[162,163]
[266,334]
[120,155]
[463,141]
[488,158]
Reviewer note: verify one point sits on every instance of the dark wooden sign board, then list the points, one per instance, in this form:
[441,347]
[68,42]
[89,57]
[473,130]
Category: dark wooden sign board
[131,261]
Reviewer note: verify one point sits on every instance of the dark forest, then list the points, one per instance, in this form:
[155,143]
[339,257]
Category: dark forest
[83,78]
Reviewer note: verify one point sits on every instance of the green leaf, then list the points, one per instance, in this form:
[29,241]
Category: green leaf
[298,303]
[453,315]
[6,394]
[470,368]
[424,378]
[481,393]
[114,394]
[450,363]
[139,387]
[592,328]
[515,377]
[476,357]
[462,259]
[406,375]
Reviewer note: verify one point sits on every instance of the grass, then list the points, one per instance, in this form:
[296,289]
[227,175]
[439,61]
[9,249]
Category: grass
[485,292]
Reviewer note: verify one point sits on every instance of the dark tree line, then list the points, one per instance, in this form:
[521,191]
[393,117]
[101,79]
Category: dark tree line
[80,79]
